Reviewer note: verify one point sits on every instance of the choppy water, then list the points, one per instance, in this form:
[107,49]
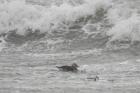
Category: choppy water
[37,73]
[116,18]
[27,72]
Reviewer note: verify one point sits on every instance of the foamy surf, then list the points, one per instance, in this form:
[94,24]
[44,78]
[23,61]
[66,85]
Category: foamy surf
[117,19]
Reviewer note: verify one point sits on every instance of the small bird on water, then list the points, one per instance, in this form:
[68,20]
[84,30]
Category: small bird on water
[66,68]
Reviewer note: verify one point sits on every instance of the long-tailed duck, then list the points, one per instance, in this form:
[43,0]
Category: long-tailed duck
[66,68]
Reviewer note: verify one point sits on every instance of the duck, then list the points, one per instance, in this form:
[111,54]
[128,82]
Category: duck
[66,68]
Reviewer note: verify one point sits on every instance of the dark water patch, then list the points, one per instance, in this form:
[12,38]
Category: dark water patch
[17,39]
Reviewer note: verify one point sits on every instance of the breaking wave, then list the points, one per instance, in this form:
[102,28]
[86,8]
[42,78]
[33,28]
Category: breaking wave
[28,19]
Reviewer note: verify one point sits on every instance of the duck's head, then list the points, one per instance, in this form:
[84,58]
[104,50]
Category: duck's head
[75,65]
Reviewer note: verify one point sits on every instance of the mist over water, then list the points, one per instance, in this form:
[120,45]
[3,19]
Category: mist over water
[120,20]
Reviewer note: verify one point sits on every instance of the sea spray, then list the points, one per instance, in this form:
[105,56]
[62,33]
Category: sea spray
[2,43]
[118,18]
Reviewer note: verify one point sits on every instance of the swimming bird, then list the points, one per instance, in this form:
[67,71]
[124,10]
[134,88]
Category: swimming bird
[66,68]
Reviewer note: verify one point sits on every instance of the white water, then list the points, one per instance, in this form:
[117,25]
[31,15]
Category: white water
[59,14]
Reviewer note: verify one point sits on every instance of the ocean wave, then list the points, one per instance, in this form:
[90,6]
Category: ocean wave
[118,19]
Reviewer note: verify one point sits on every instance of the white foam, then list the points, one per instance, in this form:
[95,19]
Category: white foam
[138,60]
[84,68]
[124,62]
[2,43]
[17,14]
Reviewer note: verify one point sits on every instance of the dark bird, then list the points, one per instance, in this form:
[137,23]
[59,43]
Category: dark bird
[72,68]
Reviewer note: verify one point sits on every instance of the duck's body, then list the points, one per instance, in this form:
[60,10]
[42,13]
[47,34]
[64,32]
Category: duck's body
[72,68]
[67,68]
